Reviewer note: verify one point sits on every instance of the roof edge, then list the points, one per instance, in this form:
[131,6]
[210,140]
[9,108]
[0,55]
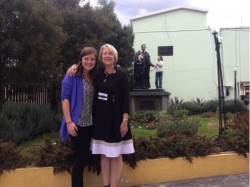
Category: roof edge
[169,10]
[236,27]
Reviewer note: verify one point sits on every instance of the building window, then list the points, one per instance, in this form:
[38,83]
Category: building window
[165,51]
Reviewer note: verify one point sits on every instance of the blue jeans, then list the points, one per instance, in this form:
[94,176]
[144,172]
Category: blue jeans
[158,79]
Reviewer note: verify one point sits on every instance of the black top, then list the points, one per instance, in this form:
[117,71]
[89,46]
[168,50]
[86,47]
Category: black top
[111,100]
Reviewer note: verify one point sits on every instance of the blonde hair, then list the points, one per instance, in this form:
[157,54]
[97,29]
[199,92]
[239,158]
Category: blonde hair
[112,49]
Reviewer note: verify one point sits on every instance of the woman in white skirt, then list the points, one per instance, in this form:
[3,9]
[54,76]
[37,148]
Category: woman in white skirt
[112,135]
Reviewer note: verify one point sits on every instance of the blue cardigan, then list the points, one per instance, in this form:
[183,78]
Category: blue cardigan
[72,89]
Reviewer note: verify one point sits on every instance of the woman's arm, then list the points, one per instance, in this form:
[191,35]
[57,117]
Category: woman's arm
[72,128]
[124,125]
[66,110]
[125,105]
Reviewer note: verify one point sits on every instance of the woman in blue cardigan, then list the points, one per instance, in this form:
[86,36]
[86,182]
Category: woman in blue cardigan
[77,98]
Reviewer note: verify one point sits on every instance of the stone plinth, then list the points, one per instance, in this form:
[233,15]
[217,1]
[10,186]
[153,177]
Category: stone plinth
[149,99]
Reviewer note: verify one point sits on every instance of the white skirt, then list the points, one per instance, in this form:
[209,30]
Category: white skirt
[112,150]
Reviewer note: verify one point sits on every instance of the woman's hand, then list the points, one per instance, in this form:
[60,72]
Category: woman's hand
[124,128]
[72,129]
[72,70]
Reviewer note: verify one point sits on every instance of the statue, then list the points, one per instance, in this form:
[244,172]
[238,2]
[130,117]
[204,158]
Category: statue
[142,65]
[138,70]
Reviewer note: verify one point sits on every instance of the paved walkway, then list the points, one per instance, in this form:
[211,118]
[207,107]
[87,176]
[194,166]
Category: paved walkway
[241,180]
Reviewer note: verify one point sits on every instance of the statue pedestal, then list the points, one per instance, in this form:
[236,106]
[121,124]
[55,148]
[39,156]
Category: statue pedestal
[149,99]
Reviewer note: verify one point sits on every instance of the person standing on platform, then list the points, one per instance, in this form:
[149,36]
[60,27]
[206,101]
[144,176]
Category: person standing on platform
[158,73]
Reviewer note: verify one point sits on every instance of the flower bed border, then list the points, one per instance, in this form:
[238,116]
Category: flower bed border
[147,172]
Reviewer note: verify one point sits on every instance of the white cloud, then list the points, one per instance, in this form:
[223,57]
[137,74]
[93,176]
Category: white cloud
[142,11]
[225,13]
[221,13]
[127,9]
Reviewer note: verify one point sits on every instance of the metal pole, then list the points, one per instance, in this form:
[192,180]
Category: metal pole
[220,87]
[235,90]
[235,85]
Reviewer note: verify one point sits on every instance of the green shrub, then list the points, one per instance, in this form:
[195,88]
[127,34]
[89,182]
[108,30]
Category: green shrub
[236,136]
[177,145]
[148,118]
[198,101]
[10,158]
[210,106]
[178,114]
[208,114]
[198,106]
[185,127]
[234,106]
[57,154]
[22,121]
[175,104]
[191,107]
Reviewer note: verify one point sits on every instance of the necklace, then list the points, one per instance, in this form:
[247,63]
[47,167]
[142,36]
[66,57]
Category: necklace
[86,79]
[107,74]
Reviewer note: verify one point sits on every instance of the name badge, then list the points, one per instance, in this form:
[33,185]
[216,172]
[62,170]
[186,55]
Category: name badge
[102,96]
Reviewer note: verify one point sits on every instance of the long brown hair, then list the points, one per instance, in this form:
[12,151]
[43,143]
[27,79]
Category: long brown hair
[87,51]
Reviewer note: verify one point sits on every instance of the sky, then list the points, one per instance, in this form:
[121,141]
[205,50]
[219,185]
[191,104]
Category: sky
[221,13]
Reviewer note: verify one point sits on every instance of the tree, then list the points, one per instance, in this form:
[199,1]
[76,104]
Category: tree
[32,36]
[121,37]
[66,4]
[40,38]
[94,26]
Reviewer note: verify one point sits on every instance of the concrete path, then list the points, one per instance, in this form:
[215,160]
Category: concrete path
[241,180]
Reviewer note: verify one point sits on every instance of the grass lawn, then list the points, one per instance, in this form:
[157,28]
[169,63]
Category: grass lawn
[143,132]
[209,127]
[37,141]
